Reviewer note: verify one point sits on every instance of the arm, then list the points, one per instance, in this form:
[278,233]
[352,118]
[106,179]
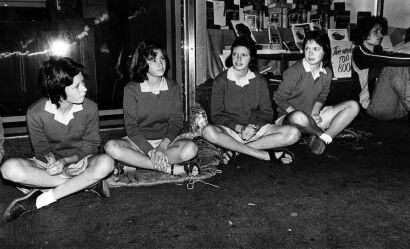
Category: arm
[316,108]
[176,118]
[131,120]
[265,113]
[37,135]
[91,139]
[218,115]
[365,59]
[290,79]
[321,99]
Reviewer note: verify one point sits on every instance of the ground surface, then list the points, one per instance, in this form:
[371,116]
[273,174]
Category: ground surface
[356,196]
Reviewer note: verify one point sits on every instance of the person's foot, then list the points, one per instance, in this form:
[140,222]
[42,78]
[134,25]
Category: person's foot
[22,205]
[189,168]
[101,188]
[281,155]
[227,156]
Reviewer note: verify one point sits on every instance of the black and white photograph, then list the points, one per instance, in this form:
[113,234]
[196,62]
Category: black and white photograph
[159,124]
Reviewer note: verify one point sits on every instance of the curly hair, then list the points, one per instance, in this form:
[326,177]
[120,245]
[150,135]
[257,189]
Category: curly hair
[247,42]
[144,53]
[321,38]
[365,24]
[56,74]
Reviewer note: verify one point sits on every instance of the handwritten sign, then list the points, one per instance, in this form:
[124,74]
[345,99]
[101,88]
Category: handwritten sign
[342,58]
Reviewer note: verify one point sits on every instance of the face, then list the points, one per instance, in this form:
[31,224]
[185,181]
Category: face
[241,58]
[375,36]
[76,91]
[313,52]
[157,65]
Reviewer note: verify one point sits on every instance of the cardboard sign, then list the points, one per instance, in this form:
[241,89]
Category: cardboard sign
[342,58]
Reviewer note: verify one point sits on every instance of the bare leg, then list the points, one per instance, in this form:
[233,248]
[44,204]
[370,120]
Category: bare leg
[180,151]
[218,136]
[345,112]
[25,172]
[124,151]
[305,123]
[276,136]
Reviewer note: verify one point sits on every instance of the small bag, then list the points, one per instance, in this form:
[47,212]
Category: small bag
[198,120]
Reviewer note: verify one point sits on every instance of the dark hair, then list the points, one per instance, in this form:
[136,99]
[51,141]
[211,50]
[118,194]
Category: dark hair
[321,38]
[144,53]
[365,24]
[242,29]
[247,42]
[56,74]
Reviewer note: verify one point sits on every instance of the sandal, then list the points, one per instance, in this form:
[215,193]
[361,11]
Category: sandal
[316,145]
[286,158]
[190,168]
[229,155]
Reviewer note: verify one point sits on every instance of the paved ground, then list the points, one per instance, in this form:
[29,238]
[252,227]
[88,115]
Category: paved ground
[355,196]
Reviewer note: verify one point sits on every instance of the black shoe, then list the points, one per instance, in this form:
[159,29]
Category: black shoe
[101,189]
[21,205]
[316,145]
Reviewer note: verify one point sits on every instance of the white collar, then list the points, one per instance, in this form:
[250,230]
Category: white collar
[58,116]
[307,67]
[242,81]
[163,86]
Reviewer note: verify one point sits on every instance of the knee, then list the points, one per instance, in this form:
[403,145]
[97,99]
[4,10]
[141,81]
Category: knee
[292,135]
[297,118]
[209,133]
[353,107]
[104,166]
[113,149]
[188,151]
[11,170]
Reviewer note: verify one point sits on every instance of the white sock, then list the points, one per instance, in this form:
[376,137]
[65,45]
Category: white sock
[326,138]
[45,199]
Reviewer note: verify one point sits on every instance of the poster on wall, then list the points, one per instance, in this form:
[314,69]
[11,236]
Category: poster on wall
[337,35]
[342,58]
[298,36]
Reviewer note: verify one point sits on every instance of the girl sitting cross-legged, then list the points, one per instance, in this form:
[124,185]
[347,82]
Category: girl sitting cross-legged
[241,110]
[153,118]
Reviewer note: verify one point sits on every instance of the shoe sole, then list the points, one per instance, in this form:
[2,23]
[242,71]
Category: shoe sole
[14,202]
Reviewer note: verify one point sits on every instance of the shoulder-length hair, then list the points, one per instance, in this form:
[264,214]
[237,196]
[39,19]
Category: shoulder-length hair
[56,74]
[139,64]
[365,24]
[321,38]
[247,42]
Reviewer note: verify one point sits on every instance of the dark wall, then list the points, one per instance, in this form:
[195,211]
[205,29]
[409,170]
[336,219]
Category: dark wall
[131,21]
[21,47]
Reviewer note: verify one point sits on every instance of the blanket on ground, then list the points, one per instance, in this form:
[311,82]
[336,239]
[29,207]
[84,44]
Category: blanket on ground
[208,157]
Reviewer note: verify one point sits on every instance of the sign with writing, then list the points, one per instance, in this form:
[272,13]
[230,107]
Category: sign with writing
[342,58]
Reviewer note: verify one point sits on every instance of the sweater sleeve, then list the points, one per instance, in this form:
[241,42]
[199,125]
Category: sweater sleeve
[176,119]
[290,80]
[91,139]
[363,58]
[38,138]
[326,86]
[264,115]
[130,119]
[218,115]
